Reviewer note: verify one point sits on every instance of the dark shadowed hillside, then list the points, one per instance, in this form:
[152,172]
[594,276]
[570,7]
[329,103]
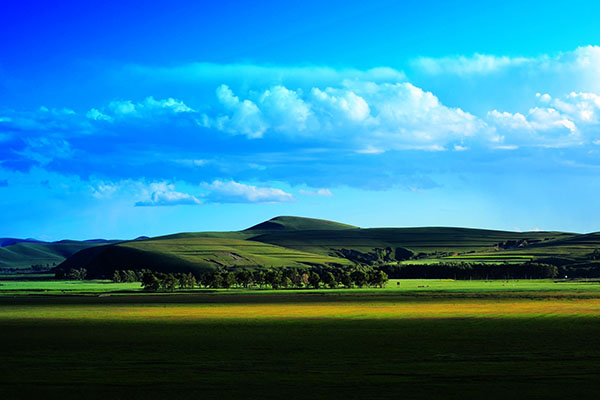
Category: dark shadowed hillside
[24,254]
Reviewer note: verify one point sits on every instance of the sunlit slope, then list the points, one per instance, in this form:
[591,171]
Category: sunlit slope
[191,254]
[25,254]
[431,241]
[567,250]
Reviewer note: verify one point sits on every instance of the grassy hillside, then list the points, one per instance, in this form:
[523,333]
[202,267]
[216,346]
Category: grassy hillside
[293,241]
[191,253]
[567,250]
[23,255]
[433,243]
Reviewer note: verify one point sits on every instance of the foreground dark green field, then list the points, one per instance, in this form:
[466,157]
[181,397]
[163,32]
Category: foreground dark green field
[528,340]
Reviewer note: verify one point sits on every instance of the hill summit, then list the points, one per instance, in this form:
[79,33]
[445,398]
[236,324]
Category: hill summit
[288,223]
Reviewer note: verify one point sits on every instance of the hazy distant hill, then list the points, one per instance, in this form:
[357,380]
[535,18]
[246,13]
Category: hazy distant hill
[8,241]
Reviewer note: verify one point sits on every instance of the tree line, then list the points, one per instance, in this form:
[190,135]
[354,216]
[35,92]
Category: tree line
[465,270]
[73,274]
[271,279]
[321,277]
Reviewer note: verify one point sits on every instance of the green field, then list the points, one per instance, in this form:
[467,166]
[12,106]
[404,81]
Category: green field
[413,339]
[393,287]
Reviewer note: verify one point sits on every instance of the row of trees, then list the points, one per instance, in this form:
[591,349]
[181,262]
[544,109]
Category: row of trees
[325,277]
[73,274]
[465,270]
[128,275]
[153,281]
[273,278]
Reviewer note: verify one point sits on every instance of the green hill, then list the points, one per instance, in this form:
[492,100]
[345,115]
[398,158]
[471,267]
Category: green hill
[285,223]
[24,255]
[428,242]
[191,253]
[295,241]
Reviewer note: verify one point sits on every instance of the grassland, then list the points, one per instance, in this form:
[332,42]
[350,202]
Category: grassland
[429,240]
[295,241]
[400,287]
[414,339]
[233,252]
[192,253]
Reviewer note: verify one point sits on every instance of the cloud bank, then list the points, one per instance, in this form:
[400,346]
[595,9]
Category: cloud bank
[321,127]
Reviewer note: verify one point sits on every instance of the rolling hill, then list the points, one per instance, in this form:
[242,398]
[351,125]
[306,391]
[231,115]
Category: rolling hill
[296,242]
[22,255]
[9,241]
[428,243]
[195,254]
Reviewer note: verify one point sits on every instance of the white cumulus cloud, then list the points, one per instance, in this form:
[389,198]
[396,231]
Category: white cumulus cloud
[365,115]
[146,109]
[241,116]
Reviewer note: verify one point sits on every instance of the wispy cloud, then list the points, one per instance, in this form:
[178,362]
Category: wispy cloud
[235,192]
[582,59]
[318,192]
[164,194]
[479,64]
[261,75]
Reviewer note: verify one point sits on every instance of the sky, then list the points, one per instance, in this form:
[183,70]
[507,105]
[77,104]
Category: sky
[123,119]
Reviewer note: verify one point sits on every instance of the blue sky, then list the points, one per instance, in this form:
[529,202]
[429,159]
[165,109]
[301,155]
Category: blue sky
[120,120]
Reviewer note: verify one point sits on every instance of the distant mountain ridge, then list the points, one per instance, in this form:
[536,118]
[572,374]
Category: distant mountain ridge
[10,241]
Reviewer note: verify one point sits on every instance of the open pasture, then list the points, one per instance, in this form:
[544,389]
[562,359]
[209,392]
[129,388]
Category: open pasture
[407,286]
[289,307]
[420,339]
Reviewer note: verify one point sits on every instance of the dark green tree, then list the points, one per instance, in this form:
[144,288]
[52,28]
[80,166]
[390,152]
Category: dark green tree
[273,277]
[243,278]
[377,278]
[359,277]
[117,277]
[150,282]
[314,280]
[344,278]
[329,279]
